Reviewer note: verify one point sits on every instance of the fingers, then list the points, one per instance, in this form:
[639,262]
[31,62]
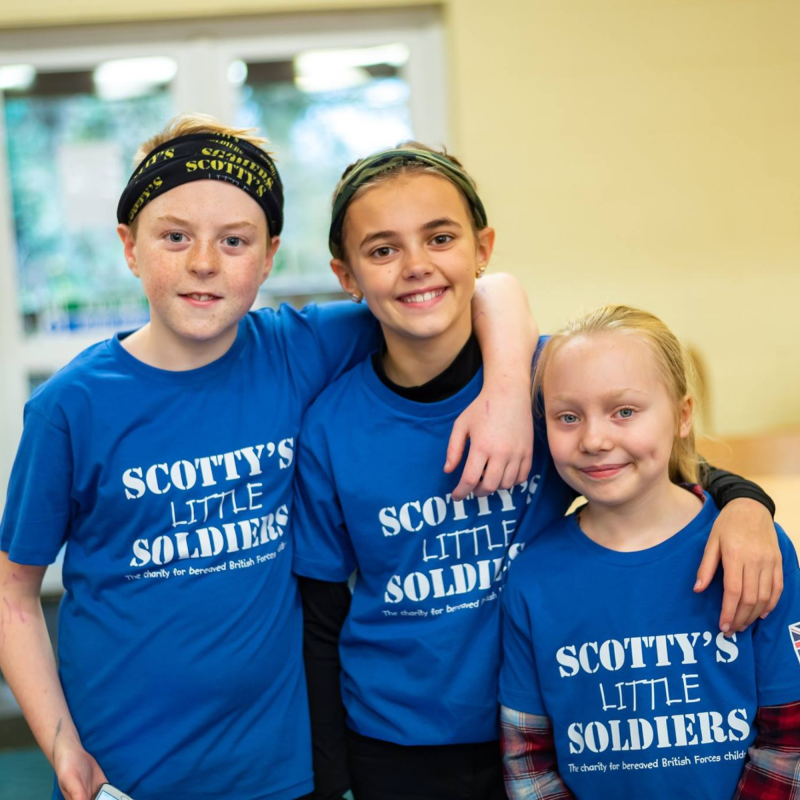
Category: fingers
[777,590]
[455,449]
[511,475]
[471,476]
[708,565]
[482,478]
[751,590]
[732,585]
[524,468]
[492,478]
[498,474]
[756,584]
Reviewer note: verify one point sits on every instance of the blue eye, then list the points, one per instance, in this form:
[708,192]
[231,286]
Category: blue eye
[175,237]
[568,418]
[233,241]
[626,413]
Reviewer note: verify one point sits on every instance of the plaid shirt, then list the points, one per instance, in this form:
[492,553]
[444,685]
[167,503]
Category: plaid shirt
[529,757]
[772,771]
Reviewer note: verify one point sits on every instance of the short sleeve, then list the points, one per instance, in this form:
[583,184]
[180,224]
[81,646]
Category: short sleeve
[519,680]
[322,546]
[776,639]
[37,511]
[327,340]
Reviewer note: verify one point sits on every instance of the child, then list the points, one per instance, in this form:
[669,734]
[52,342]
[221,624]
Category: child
[164,458]
[615,682]
[420,646]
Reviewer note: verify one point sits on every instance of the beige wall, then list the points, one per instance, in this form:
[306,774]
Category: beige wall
[643,151]
[647,152]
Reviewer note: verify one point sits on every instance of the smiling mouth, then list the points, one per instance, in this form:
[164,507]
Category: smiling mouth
[201,298]
[603,471]
[422,297]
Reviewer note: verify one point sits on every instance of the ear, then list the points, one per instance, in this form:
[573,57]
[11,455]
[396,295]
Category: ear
[346,277]
[129,247]
[685,416]
[485,242]
[272,248]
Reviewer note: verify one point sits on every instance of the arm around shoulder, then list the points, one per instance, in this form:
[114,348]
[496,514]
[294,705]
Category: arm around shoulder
[499,423]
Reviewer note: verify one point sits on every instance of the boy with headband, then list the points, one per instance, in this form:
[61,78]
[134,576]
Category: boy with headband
[164,459]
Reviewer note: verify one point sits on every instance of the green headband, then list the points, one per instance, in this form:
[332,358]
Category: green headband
[388,160]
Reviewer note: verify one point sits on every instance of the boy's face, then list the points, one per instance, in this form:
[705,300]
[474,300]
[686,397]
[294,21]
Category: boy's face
[412,251]
[201,251]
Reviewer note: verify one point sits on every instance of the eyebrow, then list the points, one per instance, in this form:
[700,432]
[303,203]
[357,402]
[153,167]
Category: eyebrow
[440,222]
[182,222]
[565,398]
[173,220]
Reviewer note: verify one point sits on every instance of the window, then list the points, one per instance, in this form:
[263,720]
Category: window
[75,104]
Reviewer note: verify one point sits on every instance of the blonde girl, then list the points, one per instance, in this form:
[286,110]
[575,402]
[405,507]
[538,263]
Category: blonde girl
[616,681]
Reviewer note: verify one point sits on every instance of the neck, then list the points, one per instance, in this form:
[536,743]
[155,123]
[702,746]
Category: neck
[643,522]
[164,353]
[414,362]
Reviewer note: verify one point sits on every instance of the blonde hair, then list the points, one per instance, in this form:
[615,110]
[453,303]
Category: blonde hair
[671,356]
[186,125]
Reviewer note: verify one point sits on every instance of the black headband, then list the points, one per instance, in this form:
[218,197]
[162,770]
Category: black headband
[205,156]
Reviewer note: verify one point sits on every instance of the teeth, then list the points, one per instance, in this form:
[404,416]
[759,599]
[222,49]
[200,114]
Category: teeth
[201,297]
[422,297]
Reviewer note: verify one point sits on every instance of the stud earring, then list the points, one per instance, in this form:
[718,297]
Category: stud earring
[356,297]
[480,271]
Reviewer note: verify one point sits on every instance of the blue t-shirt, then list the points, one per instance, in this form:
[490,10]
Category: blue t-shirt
[180,627]
[420,648]
[646,696]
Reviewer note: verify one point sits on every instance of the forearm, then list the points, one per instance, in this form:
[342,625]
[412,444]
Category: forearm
[505,329]
[325,607]
[774,759]
[27,659]
[725,487]
[529,758]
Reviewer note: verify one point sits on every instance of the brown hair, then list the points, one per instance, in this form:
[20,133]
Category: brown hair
[391,171]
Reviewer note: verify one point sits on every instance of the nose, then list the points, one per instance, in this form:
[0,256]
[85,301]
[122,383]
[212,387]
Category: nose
[203,259]
[595,437]
[416,263]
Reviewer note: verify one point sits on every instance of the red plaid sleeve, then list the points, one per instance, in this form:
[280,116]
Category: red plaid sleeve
[529,758]
[772,770]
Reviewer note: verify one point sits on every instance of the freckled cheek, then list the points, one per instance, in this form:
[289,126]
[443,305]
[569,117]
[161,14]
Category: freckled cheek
[155,288]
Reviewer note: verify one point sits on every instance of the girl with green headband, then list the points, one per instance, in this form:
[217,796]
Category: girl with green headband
[419,641]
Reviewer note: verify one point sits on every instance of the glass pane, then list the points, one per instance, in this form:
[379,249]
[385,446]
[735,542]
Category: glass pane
[322,111]
[70,150]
